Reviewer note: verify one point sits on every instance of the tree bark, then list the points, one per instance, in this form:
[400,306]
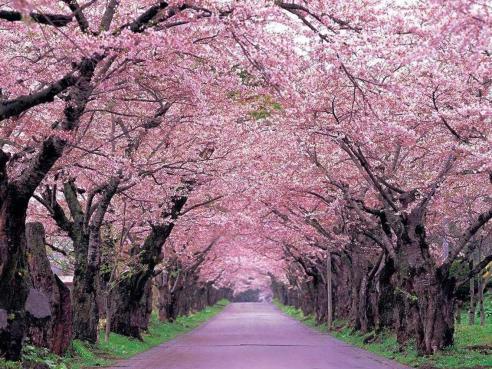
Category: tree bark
[85,232]
[329,290]
[481,306]
[481,287]
[131,305]
[87,242]
[84,294]
[14,275]
[83,315]
[427,292]
[167,289]
[471,309]
[128,300]
[55,333]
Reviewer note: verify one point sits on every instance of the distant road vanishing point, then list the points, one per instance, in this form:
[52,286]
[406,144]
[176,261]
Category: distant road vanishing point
[255,336]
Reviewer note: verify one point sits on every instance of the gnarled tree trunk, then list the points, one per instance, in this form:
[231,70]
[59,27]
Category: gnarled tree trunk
[14,273]
[56,333]
[84,294]
[14,276]
[84,230]
[131,305]
[426,292]
[127,299]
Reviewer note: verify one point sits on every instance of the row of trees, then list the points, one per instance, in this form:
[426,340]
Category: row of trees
[107,131]
[396,134]
[198,142]
[51,310]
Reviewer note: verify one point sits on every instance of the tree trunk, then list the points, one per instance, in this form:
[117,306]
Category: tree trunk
[56,333]
[132,297]
[15,295]
[14,276]
[329,290]
[163,295]
[355,285]
[428,297]
[459,305]
[481,287]
[14,273]
[167,299]
[472,310]
[84,294]
[85,232]
[174,306]
[385,295]
[107,328]
[437,309]
[362,306]
[480,302]
[131,305]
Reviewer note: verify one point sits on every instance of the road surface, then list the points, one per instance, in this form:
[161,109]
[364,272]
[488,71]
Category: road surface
[255,336]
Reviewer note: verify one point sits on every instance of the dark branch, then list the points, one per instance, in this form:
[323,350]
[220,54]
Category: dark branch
[50,151]
[48,200]
[478,268]
[56,249]
[108,16]
[142,22]
[79,15]
[481,220]
[55,20]
[12,108]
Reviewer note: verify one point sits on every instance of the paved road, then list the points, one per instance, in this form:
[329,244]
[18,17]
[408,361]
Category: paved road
[255,336]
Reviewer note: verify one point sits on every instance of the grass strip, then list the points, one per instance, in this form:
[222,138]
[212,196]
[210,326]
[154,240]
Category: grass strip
[472,347]
[83,355]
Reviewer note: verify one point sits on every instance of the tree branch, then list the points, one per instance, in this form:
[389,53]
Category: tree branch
[151,249]
[70,193]
[12,108]
[48,200]
[79,15]
[51,149]
[142,22]
[478,268]
[201,256]
[108,15]
[202,204]
[55,20]
[481,220]
[56,249]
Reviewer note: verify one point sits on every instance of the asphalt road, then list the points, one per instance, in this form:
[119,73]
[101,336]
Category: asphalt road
[255,336]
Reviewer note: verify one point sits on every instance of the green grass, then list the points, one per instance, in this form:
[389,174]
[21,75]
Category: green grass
[466,352]
[83,355]
[121,347]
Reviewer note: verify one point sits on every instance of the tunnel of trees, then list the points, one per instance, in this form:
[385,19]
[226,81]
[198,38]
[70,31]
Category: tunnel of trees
[337,155]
